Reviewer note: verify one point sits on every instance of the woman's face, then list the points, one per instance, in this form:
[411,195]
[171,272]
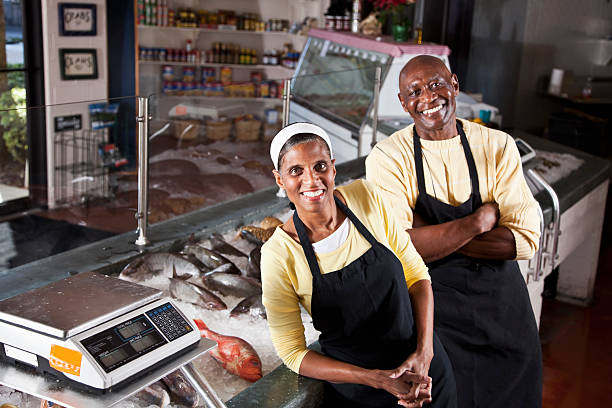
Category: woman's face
[307,175]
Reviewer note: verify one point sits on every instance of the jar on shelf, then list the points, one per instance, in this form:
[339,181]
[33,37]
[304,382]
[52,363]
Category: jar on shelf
[168,73]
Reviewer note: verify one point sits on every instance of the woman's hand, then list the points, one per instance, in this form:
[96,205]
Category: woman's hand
[416,363]
[400,386]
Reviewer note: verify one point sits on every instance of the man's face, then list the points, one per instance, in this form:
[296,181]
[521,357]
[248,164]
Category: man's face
[427,93]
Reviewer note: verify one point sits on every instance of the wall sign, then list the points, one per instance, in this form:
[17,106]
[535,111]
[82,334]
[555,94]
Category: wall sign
[70,122]
[77,19]
[78,63]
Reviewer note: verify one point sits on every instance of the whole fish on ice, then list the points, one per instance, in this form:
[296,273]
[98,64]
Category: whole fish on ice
[254,263]
[197,295]
[220,245]
[232,285]
[159,264]
[235,355]
[155,394]
[209,258]
[181,391]
[251,306]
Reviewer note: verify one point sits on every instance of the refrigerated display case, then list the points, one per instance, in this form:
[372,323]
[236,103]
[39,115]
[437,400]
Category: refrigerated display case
[333,86]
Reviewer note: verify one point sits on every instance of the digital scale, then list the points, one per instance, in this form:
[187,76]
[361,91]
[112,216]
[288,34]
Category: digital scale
[96,332]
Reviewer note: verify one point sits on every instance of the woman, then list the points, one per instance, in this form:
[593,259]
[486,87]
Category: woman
[344,260]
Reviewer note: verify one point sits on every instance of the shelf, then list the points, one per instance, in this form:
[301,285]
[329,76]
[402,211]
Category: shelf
[214,30]
[211,64]
[226,98]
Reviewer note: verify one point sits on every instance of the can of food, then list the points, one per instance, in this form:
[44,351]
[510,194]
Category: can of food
[338,23]
[256,76]
[264,90]
[168,73]
[226,75]
[188,74]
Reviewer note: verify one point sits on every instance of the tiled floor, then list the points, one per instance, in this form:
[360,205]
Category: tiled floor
[577,341]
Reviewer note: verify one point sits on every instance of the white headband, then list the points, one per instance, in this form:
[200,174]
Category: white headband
[294,129]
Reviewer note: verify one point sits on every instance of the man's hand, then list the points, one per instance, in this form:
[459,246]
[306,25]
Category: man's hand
[486,217]
[418,363]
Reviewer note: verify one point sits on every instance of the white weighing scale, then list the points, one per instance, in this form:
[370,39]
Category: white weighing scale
[102,337]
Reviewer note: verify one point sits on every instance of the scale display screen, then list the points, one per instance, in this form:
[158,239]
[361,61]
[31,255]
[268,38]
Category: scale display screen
[123,343]
[133,338]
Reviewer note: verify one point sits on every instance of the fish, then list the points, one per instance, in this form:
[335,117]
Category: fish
[270,222]
[209,258]
[220,245]
[232,285]
[254,263]
[225,268]
[195,294]
[252,306]
[181,390]
[235,354]
[261,234]
[158,264]
[155,394]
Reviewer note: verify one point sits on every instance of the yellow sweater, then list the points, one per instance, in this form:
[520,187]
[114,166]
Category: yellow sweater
[391,167]
[287,280]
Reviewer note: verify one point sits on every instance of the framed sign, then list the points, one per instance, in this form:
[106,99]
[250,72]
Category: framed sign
[70,122]
[78,63]
[77,19]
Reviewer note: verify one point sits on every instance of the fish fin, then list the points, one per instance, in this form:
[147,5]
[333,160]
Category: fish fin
[201,325]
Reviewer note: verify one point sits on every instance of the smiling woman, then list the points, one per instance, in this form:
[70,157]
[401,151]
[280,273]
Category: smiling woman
[339,248]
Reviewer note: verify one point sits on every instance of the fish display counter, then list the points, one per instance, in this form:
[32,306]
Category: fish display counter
[187,252]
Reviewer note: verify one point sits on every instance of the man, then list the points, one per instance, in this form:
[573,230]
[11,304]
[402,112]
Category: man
[459,190]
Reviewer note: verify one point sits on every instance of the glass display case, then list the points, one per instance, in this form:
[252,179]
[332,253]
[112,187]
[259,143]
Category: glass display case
[334,83]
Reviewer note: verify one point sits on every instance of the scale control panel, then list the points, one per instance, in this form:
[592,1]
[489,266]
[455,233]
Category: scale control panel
[130,339]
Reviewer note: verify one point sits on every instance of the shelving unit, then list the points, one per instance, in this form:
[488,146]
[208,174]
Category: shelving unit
[217,31]
[287,71]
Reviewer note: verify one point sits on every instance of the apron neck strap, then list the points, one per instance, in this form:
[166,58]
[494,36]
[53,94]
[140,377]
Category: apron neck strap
[418,161]
[307,245]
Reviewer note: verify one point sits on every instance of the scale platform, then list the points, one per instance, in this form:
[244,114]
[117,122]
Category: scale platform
[102,335]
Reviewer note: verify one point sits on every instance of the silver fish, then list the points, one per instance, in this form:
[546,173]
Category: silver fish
[155,394]
[191,293]
[251,305]
[158,264]
[220,245]
[181,391]
[234,285]
[254,263]
[209,258]
[225,268]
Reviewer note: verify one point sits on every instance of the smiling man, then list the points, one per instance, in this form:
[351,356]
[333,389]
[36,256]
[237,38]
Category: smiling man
[459,190]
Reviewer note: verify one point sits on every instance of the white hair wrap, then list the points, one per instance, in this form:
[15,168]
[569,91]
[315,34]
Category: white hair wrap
[295,129]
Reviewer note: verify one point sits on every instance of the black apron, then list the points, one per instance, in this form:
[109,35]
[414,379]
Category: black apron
[364,314]
[483,315]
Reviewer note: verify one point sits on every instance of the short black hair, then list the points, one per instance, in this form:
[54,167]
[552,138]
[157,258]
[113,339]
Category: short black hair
[297,139]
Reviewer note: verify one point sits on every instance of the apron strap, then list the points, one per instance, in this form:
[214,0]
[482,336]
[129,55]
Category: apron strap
[418,162]
[307,245]
[470,162]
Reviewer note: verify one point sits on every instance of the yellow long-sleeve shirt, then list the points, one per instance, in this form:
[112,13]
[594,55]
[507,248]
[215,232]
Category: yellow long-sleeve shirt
[287,280]
[391,167]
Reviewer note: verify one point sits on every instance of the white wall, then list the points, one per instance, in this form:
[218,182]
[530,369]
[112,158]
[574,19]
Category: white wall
[58,91]
[553,31]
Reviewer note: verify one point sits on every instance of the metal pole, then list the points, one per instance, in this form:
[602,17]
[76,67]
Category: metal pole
[286,100]
[201,385]
[143,171]
[376,97]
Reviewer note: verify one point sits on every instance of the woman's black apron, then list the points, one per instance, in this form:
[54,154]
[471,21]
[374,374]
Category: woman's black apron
[483,315]
[364,314]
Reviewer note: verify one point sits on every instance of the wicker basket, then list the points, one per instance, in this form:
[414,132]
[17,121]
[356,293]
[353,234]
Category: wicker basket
[218,130]
[247,130]
[186,129]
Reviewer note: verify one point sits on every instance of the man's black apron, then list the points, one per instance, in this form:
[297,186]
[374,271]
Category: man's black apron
[482,312]
[364,314]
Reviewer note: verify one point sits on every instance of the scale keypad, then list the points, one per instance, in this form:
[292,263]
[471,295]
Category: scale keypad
[169,321]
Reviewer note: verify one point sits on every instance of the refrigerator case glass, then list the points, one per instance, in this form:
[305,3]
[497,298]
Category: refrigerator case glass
[337,81]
